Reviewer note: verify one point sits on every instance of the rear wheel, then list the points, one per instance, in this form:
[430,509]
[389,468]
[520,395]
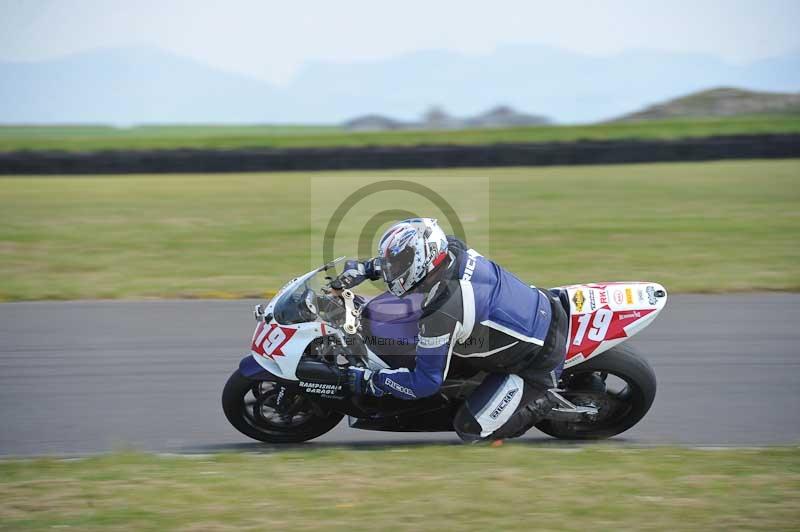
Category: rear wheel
[265,411]
[619,383]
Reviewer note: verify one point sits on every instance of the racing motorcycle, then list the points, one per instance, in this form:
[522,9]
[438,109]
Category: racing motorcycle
[291,386]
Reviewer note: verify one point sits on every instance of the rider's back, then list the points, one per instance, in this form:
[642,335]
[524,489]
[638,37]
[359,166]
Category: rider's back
[502,319]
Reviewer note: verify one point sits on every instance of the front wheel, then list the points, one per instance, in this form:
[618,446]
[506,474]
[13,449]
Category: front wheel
[252,407]
[619,383]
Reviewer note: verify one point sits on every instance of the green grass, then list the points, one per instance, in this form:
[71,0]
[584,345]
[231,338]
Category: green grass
[513,487]
[88,138]
[694,227]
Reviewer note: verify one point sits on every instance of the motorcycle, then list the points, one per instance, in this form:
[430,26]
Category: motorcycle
[291,386]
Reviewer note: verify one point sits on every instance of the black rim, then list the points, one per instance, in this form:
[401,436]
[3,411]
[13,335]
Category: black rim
[270,407]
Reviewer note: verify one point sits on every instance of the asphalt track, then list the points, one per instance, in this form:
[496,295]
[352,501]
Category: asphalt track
[85,377]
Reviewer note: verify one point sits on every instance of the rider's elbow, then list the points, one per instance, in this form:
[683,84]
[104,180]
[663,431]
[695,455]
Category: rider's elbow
[429,385]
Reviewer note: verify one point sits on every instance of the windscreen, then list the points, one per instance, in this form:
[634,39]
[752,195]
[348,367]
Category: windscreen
[308,302]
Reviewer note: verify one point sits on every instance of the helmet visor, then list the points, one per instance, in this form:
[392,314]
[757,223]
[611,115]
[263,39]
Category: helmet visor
[396,265]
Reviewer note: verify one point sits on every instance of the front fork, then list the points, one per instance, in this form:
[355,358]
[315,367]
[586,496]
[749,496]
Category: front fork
[288,391]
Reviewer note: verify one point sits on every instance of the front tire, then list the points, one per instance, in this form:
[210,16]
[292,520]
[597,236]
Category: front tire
[250,407]
[621,410]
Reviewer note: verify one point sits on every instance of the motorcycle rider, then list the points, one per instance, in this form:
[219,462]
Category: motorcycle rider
[472,309]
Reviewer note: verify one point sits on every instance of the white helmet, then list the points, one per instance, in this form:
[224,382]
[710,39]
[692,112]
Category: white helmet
[408,250]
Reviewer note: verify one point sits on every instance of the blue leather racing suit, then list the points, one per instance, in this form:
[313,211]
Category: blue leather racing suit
[487,317]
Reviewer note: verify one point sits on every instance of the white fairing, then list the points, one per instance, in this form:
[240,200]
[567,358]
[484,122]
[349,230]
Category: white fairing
[603,315]
[279,347]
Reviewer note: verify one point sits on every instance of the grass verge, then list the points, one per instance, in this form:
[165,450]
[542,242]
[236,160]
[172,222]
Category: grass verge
[513,487]
[694,227]
[89,138]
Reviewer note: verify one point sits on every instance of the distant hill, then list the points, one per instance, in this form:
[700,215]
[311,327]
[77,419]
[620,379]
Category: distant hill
[505,116]
[723,101]
[129,86]
[437,118]
[566,86]
[136,85]
[372,123]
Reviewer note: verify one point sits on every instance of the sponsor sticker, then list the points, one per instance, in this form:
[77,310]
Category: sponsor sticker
[640,295]
[579,300]
[320,388]
[399,387]
[651,295]
[592,300]
[618,297]
[469,269]
[603,297]
[504,403]
[574,358]
[629,296]
[635,314]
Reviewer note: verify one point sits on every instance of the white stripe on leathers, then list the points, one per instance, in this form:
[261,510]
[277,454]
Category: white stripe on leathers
[484,417]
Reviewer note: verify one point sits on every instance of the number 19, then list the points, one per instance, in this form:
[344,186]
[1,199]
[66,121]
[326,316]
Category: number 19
[602,319]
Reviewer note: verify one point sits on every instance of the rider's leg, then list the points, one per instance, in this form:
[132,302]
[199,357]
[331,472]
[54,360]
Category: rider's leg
[507,405]
[539,378]
[541,374]
[493,404]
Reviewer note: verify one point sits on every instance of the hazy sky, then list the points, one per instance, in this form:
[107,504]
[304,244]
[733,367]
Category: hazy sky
[270,40]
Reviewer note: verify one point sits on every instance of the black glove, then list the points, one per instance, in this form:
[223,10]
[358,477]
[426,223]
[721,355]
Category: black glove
[354,274]
[360,382]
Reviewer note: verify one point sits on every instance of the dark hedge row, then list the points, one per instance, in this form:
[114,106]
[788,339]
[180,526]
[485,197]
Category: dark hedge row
[442,156]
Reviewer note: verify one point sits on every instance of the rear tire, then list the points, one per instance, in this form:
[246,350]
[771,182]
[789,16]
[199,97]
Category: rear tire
[621,361]
[248,418]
